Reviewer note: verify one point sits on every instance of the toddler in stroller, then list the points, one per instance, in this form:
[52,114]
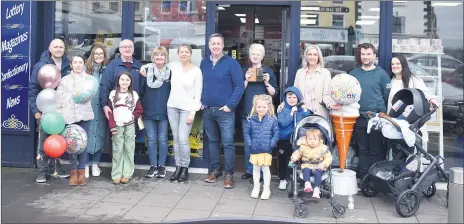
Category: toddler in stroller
[397,177]
[315,157]
[319,126]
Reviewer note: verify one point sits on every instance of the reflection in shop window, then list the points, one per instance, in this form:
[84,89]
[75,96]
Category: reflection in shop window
[114,6]
[82,23]
[170,24]
[166,6]
[137,7]
[398,24]
[337,21]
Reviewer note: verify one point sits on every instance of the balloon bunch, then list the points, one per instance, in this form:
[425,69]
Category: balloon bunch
[72,138]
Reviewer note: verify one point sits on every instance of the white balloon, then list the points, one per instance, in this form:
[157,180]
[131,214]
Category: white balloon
[47,100]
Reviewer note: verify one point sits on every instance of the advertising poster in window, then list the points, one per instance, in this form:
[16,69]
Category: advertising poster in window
[16,66]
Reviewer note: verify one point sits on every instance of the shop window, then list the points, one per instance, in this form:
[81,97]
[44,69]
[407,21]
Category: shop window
[429,34]
[137,7]
[337,21]
[172,24]
[82,23]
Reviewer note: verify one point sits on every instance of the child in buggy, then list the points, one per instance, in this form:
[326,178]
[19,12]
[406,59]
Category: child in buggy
[313,123]
[406,175]
[315,157]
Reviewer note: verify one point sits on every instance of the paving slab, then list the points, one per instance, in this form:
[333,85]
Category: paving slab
[160,200]
[150,214]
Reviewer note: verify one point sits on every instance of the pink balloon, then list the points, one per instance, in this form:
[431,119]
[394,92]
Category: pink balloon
[49,76]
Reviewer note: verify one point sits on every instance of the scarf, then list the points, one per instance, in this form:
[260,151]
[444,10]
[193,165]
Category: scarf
[159,75]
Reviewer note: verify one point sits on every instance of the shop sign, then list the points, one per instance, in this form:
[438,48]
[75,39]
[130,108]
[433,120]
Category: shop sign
[324,35]
[334,9]
[272,32]
[16,30]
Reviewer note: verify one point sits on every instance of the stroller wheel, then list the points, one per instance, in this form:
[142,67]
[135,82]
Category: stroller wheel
[407,203]
[431,191]
[338,210]
[367,188]
[301,210]
[290,188]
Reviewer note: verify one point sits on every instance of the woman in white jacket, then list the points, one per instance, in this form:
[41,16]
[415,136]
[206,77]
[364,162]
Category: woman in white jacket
[80,114]
[401,77]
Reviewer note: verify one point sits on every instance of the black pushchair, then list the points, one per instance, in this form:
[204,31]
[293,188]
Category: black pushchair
[295,189]
[412,170]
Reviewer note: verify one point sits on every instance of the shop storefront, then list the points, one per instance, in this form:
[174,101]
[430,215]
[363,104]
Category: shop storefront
[429,33]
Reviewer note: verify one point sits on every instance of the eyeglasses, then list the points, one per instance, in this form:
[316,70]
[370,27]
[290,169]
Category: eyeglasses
[129,47]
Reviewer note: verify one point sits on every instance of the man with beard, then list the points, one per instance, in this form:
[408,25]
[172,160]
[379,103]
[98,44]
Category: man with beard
[375,85]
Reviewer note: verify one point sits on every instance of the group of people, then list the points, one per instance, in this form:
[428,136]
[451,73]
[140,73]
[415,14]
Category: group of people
[162,93]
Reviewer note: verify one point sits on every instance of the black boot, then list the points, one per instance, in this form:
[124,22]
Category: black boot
[176,174]
[184,174]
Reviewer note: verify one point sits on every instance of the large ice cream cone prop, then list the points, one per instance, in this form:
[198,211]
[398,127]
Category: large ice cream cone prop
[345,91]
[343,131]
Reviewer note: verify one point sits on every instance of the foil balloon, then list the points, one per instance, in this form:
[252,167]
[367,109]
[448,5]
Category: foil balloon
[76,137]
[49,76]
[85,90]
[345,89]
[47,100]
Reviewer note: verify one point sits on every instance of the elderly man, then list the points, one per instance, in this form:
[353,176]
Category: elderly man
[125,63]
[55,55]
[223,86]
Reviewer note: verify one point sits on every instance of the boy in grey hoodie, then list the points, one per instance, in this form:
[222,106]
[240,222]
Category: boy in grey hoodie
[375,85]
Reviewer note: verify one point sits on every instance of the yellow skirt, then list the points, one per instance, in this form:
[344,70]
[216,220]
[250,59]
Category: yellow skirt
[262,159]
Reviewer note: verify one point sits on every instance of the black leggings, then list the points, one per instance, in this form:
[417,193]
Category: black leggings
[285,147]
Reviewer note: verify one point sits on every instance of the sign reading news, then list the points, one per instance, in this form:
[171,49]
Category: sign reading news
[16,20]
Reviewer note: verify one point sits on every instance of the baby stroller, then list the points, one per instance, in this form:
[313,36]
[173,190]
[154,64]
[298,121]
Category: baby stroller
[295,189]
[405,178]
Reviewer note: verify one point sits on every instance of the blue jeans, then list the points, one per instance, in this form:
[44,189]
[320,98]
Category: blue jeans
[317,176]
[80,158]
[94,158]
[220,127]
[157,133]
[248,165]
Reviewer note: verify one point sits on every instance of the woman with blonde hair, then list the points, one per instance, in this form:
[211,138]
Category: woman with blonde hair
[155,87]
[98,130]
[183,103]
[313,80]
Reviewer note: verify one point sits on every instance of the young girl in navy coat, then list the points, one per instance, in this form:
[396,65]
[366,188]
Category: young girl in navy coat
[261,136]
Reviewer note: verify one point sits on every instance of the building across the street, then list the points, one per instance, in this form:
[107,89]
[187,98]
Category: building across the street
[429,33]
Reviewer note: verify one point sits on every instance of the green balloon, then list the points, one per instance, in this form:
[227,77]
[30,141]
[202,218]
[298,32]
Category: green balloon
[52,123]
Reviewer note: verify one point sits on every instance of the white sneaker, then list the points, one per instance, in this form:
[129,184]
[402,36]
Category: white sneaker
[266,193]
[86,171]
[95,170]
[283,185]
[255,192]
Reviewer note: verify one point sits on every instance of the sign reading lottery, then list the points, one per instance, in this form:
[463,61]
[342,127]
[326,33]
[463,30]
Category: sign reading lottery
[16,67]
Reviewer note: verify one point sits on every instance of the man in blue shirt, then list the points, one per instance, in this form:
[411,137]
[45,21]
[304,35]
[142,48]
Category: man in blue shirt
[223,86]
[375,85]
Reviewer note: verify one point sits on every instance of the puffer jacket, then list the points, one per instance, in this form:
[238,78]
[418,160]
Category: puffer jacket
[312,157]
[287,121]
[261,136]
[71,111]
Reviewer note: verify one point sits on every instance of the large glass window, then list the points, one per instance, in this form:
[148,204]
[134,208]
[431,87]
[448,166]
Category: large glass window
[81,23]
[430,35]
[169,24]
[337,27]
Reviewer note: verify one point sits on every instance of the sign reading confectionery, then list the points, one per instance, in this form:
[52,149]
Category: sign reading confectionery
[16,65]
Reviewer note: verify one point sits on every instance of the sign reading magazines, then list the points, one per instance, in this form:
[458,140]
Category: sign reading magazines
[16,20]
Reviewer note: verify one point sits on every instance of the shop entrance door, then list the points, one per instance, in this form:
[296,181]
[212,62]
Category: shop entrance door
[243,25]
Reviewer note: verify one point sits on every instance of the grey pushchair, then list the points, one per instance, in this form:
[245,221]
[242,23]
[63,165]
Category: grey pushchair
[295,188]
[412,170]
